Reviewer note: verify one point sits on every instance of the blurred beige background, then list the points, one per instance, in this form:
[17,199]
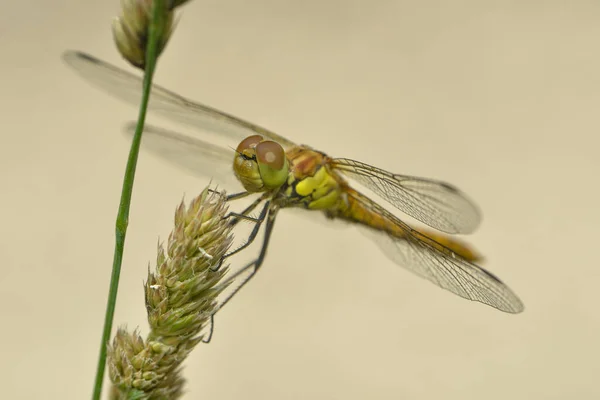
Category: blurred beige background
[499,98]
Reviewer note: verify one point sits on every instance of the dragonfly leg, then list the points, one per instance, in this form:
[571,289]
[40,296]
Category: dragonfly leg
[236,196]
[210,331]
[233,196]
[257,223]
[252,267]
[239,216]
[236,217]
[268,230]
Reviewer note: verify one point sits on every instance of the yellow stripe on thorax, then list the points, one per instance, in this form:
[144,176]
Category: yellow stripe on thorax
[322,188]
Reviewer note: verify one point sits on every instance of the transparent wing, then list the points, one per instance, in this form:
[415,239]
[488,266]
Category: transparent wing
[128,87]
[197,157]
[435,203]
[440,265]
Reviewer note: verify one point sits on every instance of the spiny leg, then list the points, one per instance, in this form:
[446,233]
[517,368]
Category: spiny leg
[253,266]
[210,331]
[257,223]
[233,196]
[236,196]
[244,214]
[257,263]
[268,230]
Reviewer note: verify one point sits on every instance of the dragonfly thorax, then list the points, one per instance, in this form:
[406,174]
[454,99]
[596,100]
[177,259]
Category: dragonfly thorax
[260,165]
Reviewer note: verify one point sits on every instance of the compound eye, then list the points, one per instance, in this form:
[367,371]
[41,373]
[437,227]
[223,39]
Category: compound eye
[249,143]
[272,164]
[270,154]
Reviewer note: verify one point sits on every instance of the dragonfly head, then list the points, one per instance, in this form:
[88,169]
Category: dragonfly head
[260,165]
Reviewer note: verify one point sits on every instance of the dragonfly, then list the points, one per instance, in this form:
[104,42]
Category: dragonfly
[283,174]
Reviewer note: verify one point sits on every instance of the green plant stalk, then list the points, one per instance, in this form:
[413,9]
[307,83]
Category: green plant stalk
[154,32]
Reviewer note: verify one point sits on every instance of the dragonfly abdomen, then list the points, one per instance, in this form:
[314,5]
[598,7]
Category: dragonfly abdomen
[352,210]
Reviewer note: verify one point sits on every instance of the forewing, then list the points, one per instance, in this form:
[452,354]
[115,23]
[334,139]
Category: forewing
[128,87]
[195,156]
[440,265]
[435,203]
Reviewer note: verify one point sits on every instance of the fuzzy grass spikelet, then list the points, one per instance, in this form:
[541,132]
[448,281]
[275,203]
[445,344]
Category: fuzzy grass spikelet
[130,30]
[181,297]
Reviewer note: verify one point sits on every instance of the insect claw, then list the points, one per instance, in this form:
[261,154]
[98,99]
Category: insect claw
[218,265]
